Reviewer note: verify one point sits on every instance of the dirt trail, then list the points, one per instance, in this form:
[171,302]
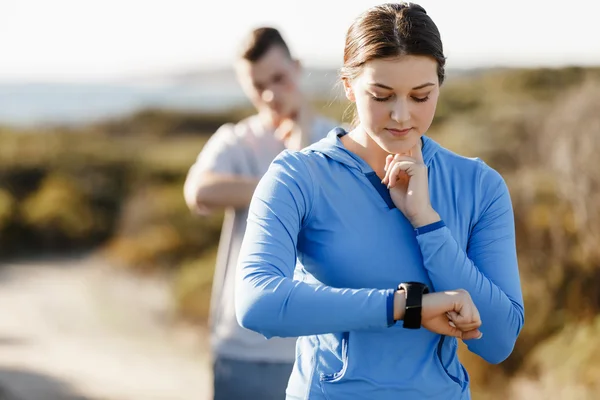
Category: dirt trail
[75,329]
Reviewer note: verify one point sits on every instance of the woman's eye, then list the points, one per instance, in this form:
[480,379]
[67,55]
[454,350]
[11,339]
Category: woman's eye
[376,98]
[420,99]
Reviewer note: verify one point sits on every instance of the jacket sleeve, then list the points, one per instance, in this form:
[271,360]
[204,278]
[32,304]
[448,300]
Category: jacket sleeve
[267,299]
[488,270]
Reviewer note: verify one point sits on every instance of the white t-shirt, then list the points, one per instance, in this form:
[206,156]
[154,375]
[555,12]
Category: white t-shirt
[244,149]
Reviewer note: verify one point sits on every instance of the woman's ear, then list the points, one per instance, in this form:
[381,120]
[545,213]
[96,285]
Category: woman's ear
[348,90]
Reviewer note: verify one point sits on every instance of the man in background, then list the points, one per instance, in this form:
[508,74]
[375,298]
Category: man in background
[245,364]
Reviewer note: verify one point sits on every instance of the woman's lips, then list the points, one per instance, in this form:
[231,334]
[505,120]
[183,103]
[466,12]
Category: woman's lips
[399,132]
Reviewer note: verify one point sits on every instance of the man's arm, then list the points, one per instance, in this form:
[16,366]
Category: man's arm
[207,191]
[215,180]
[213,183]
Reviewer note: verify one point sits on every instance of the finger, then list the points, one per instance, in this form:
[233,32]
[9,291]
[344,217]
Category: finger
[386,178]
[476,315]
[463,323]
[417,152]
[455,332]
[453,315]
[466,327]
[406,168]
[392,159]
[473,334]
[285,129]
[457,321]
[390,170]
[393,178]
[283,133]
[412,168]
[466,320]
[408,164]
[469,312]
[450,330]
[388,161]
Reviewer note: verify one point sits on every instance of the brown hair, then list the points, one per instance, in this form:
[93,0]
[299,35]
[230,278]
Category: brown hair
[260,41]
[388,31]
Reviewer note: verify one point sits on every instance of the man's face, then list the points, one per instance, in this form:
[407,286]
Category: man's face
[272,83]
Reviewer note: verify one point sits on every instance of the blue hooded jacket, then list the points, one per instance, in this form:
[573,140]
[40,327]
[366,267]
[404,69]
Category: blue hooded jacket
[325,249]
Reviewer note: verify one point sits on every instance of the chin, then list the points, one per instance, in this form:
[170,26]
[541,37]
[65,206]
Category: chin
[399,146]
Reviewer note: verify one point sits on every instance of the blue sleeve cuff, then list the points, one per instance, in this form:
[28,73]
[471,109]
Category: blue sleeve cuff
[390,308]
[429,228]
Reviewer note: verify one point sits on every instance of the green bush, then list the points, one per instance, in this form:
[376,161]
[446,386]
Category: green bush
[59,212]
[192,287]
[157,230]
[7,208]
[118,186]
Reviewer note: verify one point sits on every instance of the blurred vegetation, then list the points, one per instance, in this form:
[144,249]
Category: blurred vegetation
[116,187]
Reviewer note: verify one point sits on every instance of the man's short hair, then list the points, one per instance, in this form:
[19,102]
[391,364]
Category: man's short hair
[260,41]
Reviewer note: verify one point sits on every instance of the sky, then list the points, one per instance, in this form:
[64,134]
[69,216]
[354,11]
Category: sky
[103,40]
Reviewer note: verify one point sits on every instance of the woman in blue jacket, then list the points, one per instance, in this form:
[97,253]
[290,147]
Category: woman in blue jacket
[381,224]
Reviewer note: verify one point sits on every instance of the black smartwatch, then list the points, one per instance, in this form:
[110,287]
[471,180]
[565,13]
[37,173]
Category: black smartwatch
[413,291]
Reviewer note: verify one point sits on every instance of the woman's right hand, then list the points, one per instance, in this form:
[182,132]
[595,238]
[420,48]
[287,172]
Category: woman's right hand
[451,313]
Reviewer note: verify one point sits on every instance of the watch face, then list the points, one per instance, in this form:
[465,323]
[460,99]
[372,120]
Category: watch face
[416,285]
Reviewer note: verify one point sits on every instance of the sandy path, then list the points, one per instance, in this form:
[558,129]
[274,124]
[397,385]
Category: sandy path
[72,329]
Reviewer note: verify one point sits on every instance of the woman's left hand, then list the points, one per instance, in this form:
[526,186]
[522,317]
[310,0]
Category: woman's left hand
[407,180]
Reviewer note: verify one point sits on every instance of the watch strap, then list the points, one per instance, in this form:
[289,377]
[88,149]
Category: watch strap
[413,292]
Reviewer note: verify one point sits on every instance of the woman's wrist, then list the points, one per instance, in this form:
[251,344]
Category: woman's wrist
[426,218]
[399,305]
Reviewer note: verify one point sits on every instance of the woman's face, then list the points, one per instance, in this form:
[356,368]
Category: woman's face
[395,100]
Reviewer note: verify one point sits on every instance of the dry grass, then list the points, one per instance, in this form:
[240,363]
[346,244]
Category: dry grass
[119,185]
